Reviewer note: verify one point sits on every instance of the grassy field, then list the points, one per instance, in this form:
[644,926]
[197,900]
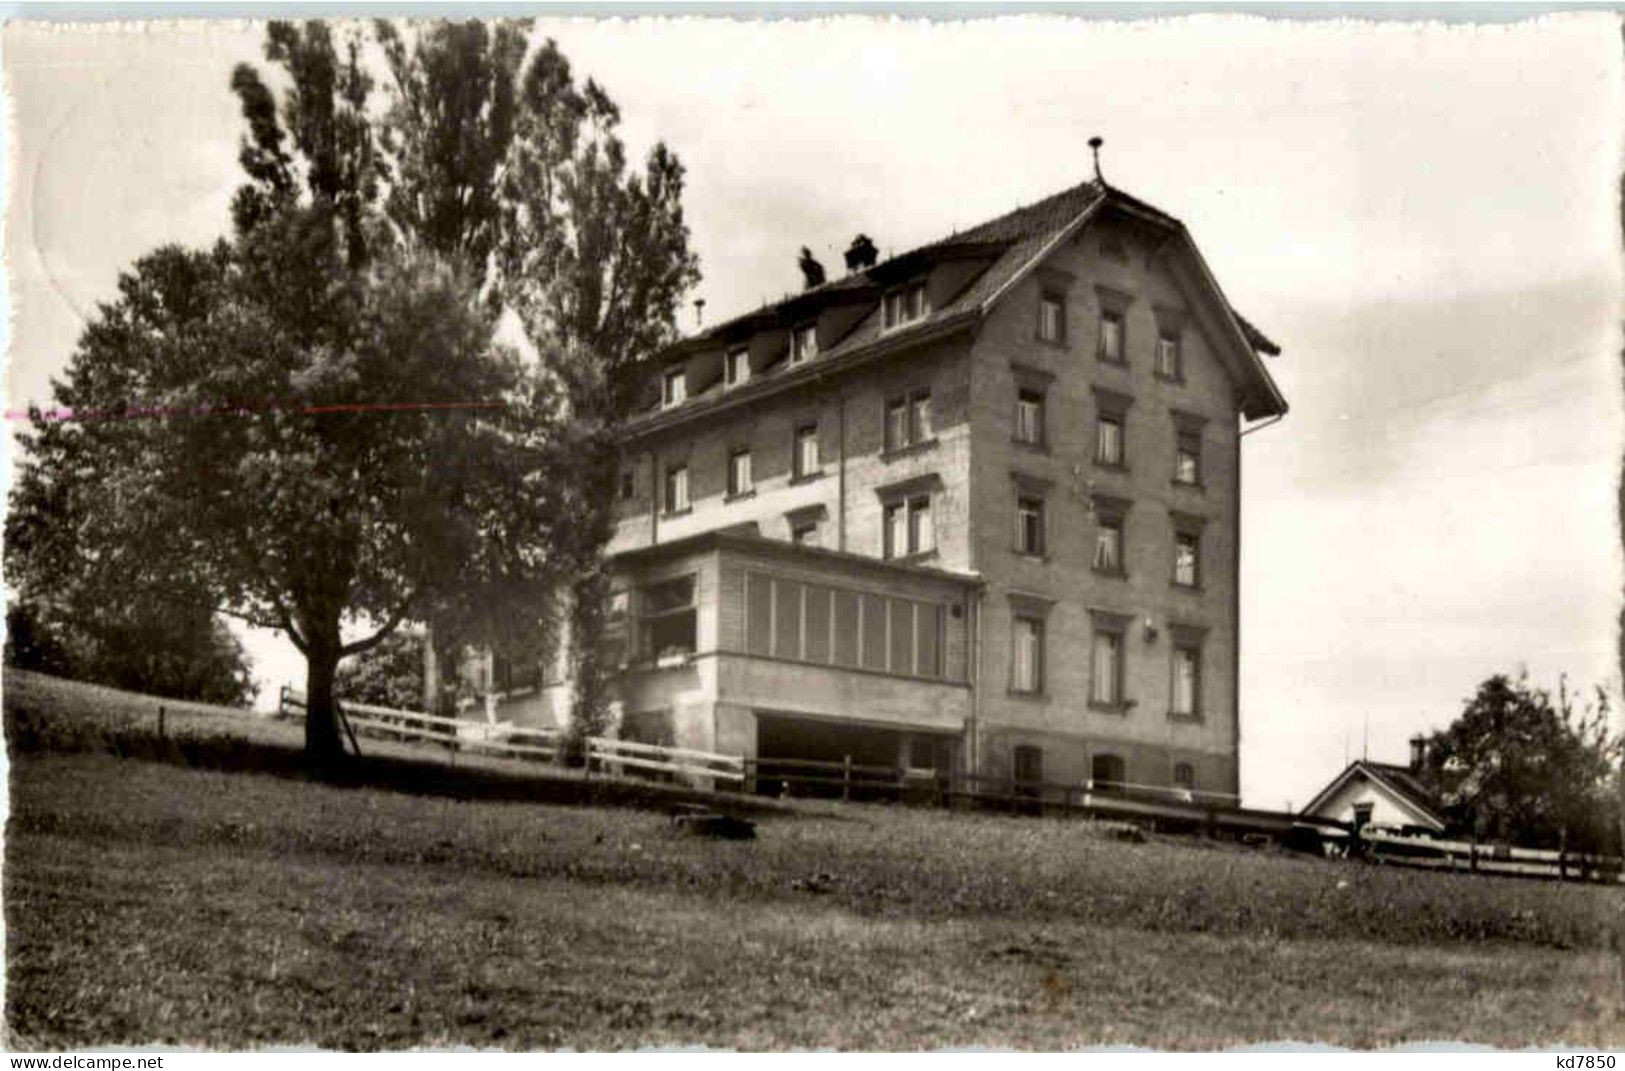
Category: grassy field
[147,901]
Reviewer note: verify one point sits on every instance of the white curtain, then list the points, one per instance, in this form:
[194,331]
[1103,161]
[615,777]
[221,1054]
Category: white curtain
[1025,671]
[1107,540]
[924,535]
[1109,441]
[1185,560]
[1105,669]
[1184,681]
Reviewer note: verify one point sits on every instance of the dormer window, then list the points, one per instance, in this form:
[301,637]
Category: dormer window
[674,387]
[736,367]
[905,306]
[803,343]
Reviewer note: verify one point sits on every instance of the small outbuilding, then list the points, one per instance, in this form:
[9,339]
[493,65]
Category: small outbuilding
[1399,800]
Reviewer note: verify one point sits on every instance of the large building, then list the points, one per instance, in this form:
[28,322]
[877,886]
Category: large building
[975,507]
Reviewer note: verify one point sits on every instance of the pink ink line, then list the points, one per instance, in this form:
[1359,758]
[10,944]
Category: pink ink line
[243,410]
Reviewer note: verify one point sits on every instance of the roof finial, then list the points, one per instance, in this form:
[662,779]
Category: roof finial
[1094,146]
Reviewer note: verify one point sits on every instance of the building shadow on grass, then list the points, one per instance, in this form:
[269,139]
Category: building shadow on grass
[414,769]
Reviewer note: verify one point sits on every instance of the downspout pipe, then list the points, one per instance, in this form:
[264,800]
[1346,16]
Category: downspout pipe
[973,656]
[840,475]
[655,490]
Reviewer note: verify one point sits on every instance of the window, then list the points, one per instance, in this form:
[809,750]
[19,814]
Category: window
[900,618]
[1111,337]
[1111,427]
[758,614]
[873,627]
[1027,656]
[1030,526]
[921,535]
[1051,316]
[803,343]
[1187,686]
[1028,762]
[1030,417]
[1184,776]
[927,640]
[1107,688]
[1168,357]
[676,488]
[896,533]
[908,420]
[908,527]
[787,618]
[674,387]
[666,624]
[612,641]
[896,424]
[846,627]
[1188,458]
[739,475]
[905,306]
[1107,771]
[1110,514]
[817,610]
[919,416]
[805,461]
[629,479]
[1109,546]
[1109,439]
[736,367]
[1187,559]
[1170,353]
[1106,660]
[804,533]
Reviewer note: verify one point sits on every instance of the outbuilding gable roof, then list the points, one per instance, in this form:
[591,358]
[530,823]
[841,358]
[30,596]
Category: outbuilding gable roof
[1398,781]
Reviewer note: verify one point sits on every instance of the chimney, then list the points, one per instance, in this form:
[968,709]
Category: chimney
[861,254]
[1419,751]
[699,313]
[812,272]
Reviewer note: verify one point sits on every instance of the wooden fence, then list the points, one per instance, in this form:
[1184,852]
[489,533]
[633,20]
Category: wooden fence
[1489,858]
[1165,807]
[510,741]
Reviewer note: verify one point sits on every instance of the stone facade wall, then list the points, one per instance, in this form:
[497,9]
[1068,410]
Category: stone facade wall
[1008,355]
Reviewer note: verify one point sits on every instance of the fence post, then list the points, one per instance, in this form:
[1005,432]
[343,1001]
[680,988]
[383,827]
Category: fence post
[846,778]
[160,721]
[1472,853]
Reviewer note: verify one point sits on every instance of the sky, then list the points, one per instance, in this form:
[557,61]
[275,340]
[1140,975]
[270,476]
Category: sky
[1424,217]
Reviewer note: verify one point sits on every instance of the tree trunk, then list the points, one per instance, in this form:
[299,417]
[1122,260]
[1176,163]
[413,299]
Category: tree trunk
[590,711]
[324,747]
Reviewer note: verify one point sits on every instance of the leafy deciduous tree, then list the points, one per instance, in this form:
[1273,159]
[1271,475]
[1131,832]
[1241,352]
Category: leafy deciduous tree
[501,161]
[170,647]
[1517,767]
[389,675]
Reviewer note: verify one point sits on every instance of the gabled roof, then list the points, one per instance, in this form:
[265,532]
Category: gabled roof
[1011,244]
[1398,781]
